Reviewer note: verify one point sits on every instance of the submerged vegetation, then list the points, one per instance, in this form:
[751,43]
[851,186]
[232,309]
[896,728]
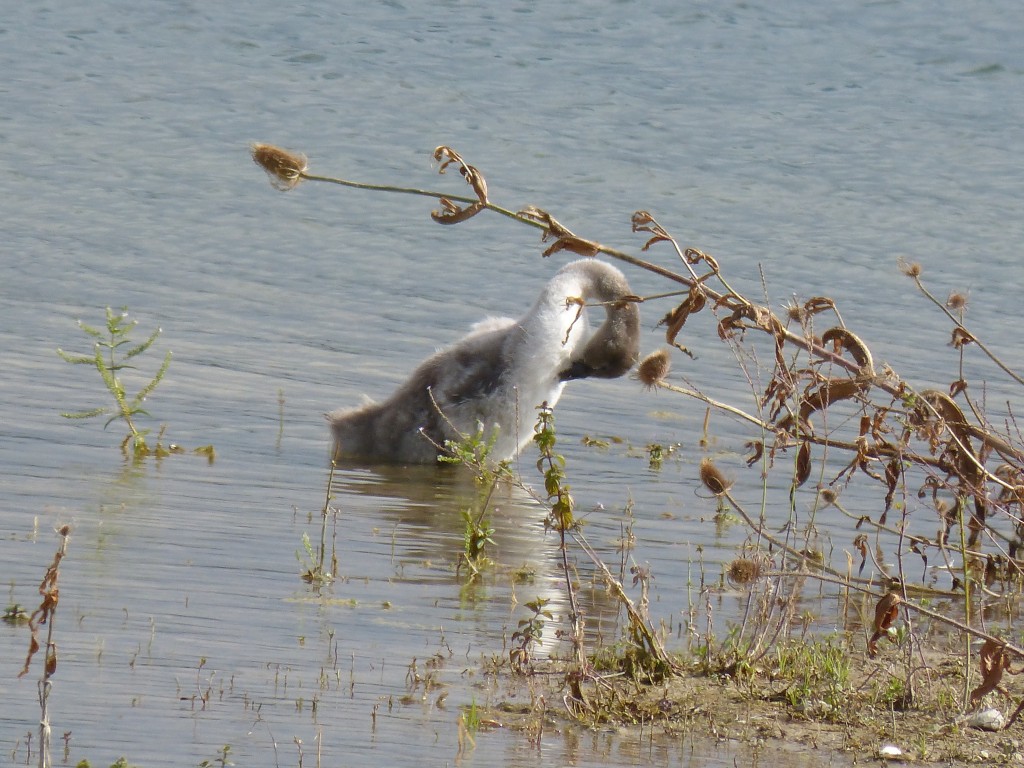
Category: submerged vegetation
[928,581]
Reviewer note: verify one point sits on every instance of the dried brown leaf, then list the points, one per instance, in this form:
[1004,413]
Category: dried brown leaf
[893,472]
[817,304]
[757,451]
[961,337]
[454,214]
[643,222]
[694,302]
[447,156]
[803,463]
[574,245]
[654,240]
[841,338]
[993,660]
[694,256]
[886,611]
[741,311]
[861,545]
[51,660]
[832,391]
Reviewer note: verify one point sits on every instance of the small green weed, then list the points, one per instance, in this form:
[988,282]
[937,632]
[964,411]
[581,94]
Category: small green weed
[817,670]
[477,535]
[221,759]
[529,634]
[474,451]
[314,571]
[112,349]
[15,614]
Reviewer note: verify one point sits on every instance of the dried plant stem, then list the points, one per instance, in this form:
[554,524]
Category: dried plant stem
[716,404]
[959,324]
[901,533]
[422,193]
[47,611]
[326,512]
[297,172]
[961,502]
[638,621]
[760,530]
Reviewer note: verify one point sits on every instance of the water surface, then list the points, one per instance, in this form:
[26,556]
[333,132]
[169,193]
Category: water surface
[813,144]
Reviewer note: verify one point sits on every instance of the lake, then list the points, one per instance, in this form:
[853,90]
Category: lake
[806,147]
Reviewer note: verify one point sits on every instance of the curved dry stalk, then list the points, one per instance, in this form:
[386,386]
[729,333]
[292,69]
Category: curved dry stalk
[637,620]
[286,169]
[962,335]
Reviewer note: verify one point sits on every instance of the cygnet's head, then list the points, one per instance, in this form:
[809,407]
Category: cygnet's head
[615,347]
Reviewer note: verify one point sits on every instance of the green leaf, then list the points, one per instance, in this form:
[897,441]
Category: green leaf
[85,414]
[140,348]
[144,392]
[94,332]
[76,359]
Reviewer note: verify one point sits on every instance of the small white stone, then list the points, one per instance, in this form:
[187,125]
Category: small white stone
[890,752]
[987,720]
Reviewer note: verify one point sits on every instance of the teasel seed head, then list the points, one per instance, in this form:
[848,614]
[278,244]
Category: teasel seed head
[828,496]
[284,168]
[713,478]
[909,268]
[957,301]
[743,571]
[654,368]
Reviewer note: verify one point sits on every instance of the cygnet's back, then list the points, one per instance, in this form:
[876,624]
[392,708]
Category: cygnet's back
[497,375]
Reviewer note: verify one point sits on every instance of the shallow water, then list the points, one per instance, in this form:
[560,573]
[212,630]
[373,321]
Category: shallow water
[817,143]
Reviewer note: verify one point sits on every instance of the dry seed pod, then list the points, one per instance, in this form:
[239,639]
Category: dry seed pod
[713,478]
[909,268]
[957,301]
[284,168]
[654,368]
[743,571]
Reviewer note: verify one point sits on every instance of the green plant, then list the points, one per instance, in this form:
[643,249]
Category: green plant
[560,514]
[15,614]
[314,571]
[817,671]
[476,534]
[529,634]
[472,717]
[474,451]
[112,349]
[221,759]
